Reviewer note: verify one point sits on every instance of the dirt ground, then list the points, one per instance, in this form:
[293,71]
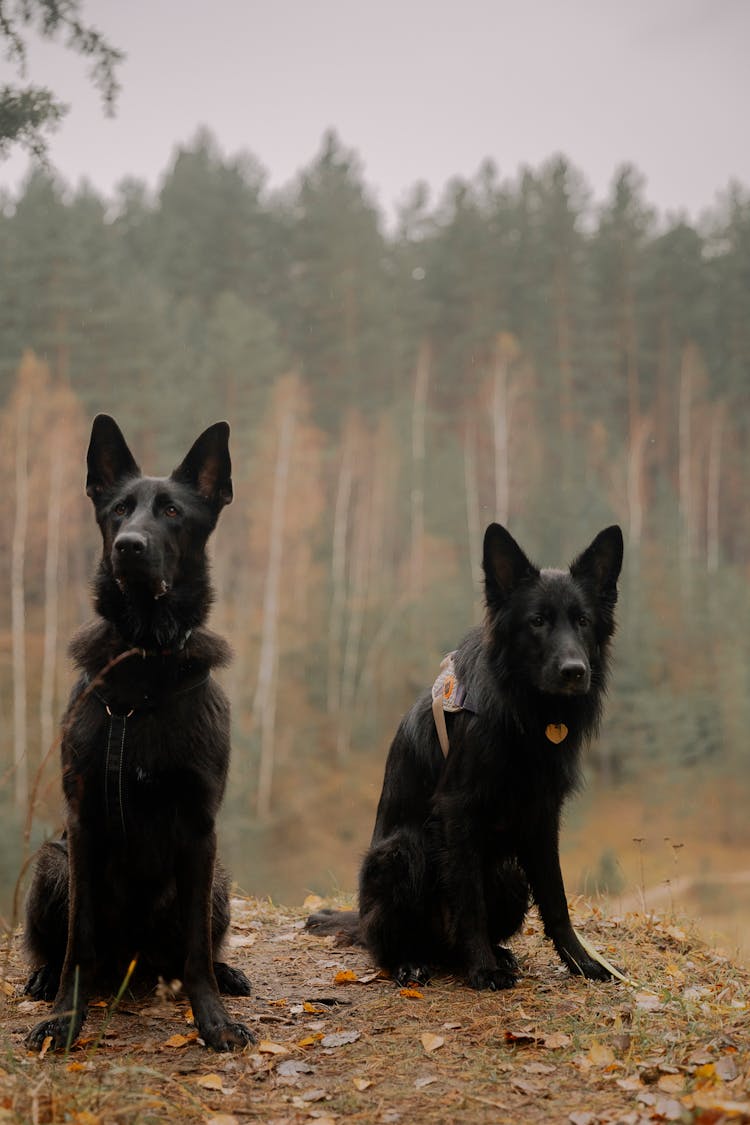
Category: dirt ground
[337,1042]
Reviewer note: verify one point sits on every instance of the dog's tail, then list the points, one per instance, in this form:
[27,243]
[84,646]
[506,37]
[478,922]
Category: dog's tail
[344,924]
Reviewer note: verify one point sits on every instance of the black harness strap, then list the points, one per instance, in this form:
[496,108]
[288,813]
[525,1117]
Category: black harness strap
[115,786]
[114,789]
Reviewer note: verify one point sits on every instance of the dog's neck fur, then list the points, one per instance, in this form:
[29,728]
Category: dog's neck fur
[488,672]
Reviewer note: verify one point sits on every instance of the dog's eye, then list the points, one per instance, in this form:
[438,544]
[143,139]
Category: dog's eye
[120,509]
[582,620]
[171,511]
[537,621]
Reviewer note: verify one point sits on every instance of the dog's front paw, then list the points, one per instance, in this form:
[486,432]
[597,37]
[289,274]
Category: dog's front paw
[589,968]
[411,973]
[226,1036]
[61,1030]
[493,979]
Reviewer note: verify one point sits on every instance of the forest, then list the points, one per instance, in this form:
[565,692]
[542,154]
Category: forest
[513,350]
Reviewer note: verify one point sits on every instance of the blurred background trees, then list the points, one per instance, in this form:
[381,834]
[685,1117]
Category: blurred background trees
[513,350]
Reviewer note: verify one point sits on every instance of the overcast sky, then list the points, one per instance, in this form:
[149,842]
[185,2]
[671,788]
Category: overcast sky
[422,89]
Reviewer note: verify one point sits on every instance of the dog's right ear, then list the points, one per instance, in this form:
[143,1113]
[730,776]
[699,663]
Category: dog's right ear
[505,564]
[108,459]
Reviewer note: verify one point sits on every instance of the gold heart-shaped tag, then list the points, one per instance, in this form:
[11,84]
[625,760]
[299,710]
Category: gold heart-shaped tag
[556,732]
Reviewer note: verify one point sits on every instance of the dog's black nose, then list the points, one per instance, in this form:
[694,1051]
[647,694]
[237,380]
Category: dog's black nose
[130,543]
[573,671]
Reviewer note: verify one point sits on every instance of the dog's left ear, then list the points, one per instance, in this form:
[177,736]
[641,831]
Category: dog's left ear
[600,563]
[108,459]
[505,564]
[208,467]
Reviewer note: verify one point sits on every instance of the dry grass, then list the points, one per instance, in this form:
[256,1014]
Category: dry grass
[674,1046]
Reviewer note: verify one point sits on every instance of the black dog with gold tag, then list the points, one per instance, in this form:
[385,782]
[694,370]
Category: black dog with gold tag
[468,823]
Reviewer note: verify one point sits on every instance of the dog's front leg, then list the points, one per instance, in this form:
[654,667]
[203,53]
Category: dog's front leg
[195,874]
[463,878]
[540,859]
[76,978]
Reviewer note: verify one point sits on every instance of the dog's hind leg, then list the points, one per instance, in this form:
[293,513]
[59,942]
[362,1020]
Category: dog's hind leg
[230,981]
[395,906]
[46,929]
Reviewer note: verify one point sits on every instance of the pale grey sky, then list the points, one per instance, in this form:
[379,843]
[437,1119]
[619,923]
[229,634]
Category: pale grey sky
[422,89]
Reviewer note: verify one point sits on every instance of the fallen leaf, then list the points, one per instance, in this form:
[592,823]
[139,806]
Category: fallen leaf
[292,1068]
[431,1042]
[411,993]
[313,902]
[361,1083]
[582,1117]
[526,1087]
[344,976]
[556,1040]
[705,1075]
[97,1003]
[222,1119]
[420,1083]
[631,1083]
[726,1068]
[369,977]
[671,1083]
[648,1002]
[46,1044]
[266,1047]
[340,1038]
[280,1003]
[177,1041]
[539,1068]
[308,1096]
[211,1082]
[76,1067]
[600,1054]
[242,941]
[310,1040]
[308,1007]
[701,1099]
[85,1117]
[521,1038]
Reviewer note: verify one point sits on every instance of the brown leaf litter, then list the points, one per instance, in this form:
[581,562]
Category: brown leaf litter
[337,1042]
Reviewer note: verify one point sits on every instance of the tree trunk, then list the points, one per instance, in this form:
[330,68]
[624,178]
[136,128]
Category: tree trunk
[500,407]
[338,577]
[51,588]
[357,599]
[713,538]
[471,487]
[265,694]
[18,606]
[685,457]
[421,384]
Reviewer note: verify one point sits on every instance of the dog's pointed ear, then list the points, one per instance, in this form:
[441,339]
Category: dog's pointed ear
[108,459]
[505,565]
[600,563]
[208,467]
